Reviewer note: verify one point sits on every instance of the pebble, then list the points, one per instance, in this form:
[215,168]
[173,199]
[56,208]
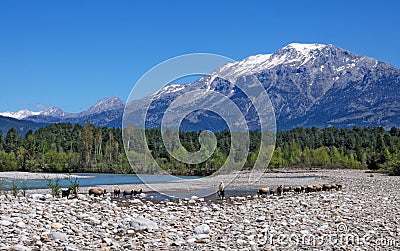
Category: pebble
[57,236]
[56,225]
[141,223]
[202,229]
[5,223]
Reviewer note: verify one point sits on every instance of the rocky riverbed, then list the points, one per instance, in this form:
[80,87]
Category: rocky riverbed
[364,215]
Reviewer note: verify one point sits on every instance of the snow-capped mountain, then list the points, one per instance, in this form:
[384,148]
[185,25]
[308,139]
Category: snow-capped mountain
[22,114]
[106,112]
[308,84]
[19,114]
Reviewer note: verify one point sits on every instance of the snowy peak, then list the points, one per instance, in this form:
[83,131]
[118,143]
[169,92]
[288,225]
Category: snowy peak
[304,48]
[296,55]
[54,112]
[20,114]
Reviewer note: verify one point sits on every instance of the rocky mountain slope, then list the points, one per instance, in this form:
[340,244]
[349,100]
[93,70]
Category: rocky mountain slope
[308,85]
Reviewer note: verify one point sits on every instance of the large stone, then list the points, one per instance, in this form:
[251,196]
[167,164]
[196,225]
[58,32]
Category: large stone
[21,224]
[57,236]
[141,223]
[202,229]
[5,223]
[37,196]
[93,221]
[71,247]
[19,247]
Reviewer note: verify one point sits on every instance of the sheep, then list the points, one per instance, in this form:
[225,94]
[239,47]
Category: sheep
[96,192]
[326,187]
[103,191]
[117,192]
[272,192]
[263,190]
[287,189]
[334,186]
[279,190]
[318,188]
[137,191]
[309,189]
[128,192]
[65,193]
[299,189]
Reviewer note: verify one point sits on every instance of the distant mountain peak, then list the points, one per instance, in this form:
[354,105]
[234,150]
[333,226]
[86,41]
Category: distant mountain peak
[104,104]
[19,114]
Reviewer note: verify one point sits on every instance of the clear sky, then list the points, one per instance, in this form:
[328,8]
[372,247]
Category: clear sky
[70,54]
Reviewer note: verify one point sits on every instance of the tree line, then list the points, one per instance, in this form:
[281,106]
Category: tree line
[66,147]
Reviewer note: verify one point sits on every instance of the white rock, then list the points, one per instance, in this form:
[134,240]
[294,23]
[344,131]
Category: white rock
[143,224]
[19,247]
[5,223]
[107,240]
[202,229]
[71,247]
[93,221]
[57,236]
[216,208]
[241,242]
[36,196]
[21,224]
[204,209]
[191,240]
[305,232]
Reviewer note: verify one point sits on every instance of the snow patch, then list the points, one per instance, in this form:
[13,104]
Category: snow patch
[305,48]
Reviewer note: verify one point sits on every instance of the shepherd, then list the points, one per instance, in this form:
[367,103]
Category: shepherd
[221,190]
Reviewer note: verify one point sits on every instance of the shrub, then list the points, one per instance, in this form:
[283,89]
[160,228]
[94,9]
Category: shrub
[73,184]
[14,189]
[55,186]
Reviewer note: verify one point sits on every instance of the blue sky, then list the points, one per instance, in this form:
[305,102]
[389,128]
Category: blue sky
[70,54]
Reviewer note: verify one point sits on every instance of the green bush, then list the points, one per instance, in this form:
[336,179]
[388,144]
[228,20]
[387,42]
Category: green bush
[393,167]
[55,186]
[14,189]
[73,184]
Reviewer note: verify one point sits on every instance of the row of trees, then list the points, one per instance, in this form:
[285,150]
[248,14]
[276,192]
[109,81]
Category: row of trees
[64,148]
[76,148]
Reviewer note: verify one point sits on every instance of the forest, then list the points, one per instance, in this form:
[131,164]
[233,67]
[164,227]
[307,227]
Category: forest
[75,148]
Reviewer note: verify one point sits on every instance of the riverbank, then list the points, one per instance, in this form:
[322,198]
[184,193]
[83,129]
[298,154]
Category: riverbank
[200,187]
[31,176]
[362,216]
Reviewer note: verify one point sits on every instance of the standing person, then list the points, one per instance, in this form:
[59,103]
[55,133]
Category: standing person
[221,190]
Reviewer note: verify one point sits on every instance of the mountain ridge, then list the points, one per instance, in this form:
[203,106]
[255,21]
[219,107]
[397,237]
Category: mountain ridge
[308,85]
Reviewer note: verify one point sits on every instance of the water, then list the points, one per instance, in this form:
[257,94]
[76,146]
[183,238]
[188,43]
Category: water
[96,179]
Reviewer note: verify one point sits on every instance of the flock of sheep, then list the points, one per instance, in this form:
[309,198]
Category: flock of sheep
[117,192]
[280,190]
